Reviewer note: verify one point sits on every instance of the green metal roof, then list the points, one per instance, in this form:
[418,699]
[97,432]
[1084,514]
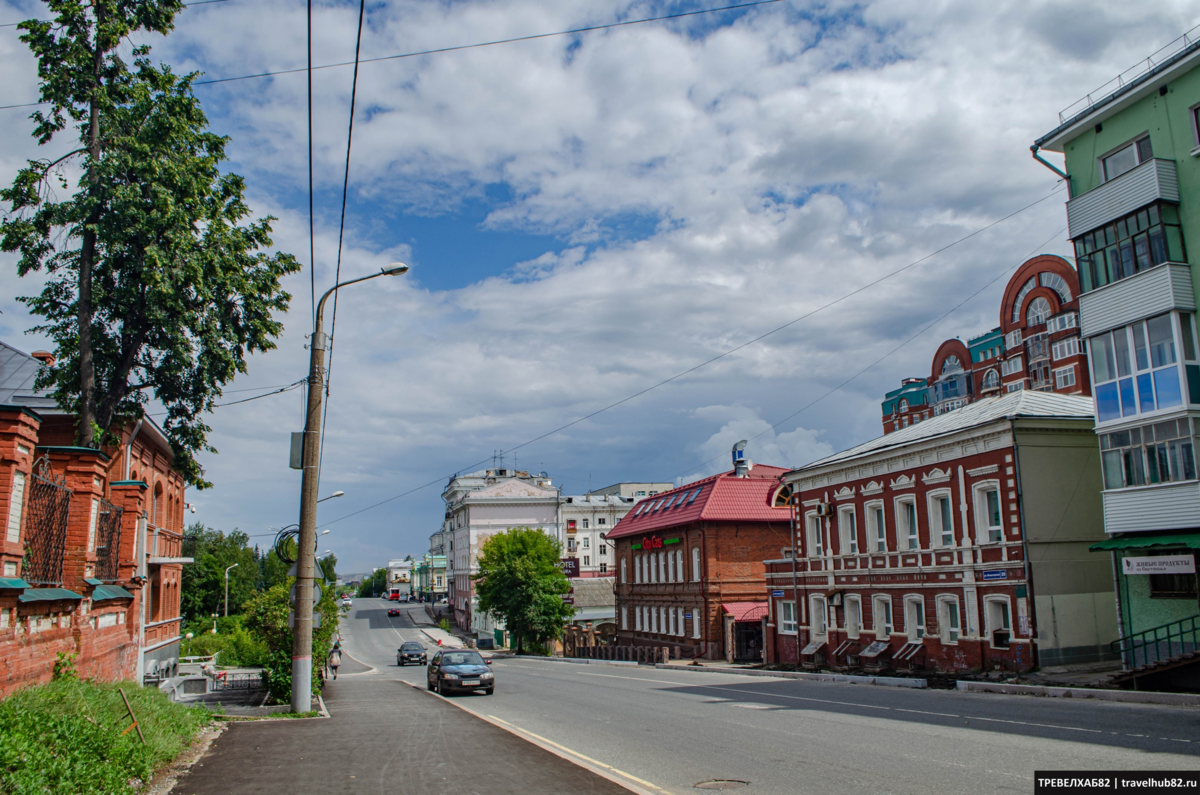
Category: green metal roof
[47,595]
[13,582]
[103,592]
[1189,540]
[93,581]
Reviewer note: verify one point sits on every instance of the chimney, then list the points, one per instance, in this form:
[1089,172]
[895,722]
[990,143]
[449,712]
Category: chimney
[740,465]
[45,357]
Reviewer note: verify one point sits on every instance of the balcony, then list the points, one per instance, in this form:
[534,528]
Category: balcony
[1151,181]
[1151,292]
[1165,506]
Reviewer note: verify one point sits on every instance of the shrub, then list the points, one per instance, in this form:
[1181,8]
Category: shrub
[65,736]
[266,619]
[237,646]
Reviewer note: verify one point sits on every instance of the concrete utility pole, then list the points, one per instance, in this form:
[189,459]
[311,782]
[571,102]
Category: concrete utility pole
[307,542]
[234,566]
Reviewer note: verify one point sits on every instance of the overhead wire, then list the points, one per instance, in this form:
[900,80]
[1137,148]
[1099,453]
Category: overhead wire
[362,10]
[720,356]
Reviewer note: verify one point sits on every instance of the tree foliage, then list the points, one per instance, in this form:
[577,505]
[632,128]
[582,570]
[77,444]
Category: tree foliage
[520,582]
[202,590]
[157,285]
[266,616]
[375,585]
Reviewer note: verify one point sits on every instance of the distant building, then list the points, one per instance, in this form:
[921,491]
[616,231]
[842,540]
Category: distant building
[587,521]
[1036,346]
[634,491]
[429,578]
[400,578]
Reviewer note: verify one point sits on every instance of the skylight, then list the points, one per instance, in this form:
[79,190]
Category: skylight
[695,494]
[671,502]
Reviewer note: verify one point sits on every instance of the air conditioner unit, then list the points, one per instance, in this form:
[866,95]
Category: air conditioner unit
[824,509]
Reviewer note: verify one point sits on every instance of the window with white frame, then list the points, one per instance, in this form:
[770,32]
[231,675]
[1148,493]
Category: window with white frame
[603,549]
[989,527]
[787,618]
[638,617]
[907,529]
[670,568]
[914,617]
[876,527]
[816,548]
[881,613]
[601,522]
[662,567]
[695,564]
[587,542]
[1071,346]
[670,621]
[1013,338]
[848,530]
[818,626]
[1012,365]
[587,560]
[624,617]
[696,621]
[999,619]
[679,622]
[991,379]
[604,568]
[949,619]
[853,611]
[1039,310]
[1126,158]
[585,526]
[1062,322]
[941,518]
[1064,377]
[679,565]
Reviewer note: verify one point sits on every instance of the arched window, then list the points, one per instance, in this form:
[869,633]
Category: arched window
[1058,284]
[991,380]
[902,405]
[1039,310]
[1020,299]
[781,501]
[952,364]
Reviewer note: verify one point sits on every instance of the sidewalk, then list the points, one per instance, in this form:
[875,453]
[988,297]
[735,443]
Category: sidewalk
[384,736]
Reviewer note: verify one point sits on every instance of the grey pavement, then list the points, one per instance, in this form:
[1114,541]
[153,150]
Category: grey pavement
[384,736]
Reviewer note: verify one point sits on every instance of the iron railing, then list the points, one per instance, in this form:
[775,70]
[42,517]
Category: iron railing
[46,526]
[108,541]
[1159,644]
[238,682]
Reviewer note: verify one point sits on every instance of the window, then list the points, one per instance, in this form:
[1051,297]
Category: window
[1126,158]
[848,530]
[902,405]
[585,525]
[637,618]
[16,503]
[695,494]
[1071,346]
[816,548]
[991,380]
[624,617]
[949,625]
[679,565]
[570,524]
[1160,453]
[941,518]
[881,607]
[586,542]
[695,564]
[570,545]
[906,524]
[853,611]
[818,626]
[999,620]
[1135,368]
[1141,240]
[914,617]
[670,621]
[587,560]
[601,522]
[604,568]
[671,501]
[1013,338]
[1064,378]
[662,567]
[1063,322]
[1056,283]
[1173,586]
[876,529]
[1039,310]
[639,494]
[603,549]
[787,618]
[1012,365]
[989,529]
[670,568]
[1017,387]
[696,621]
[951,365]
[624,570]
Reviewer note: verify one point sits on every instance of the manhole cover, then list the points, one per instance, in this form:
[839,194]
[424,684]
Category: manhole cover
[722,783]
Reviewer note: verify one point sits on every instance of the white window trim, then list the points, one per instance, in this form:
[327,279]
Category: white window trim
[1057,380]
[679,573]
[696,564]
[696,622]
[902,539]
[814,535]
[1131,142]
[813,612]
[848,536]
[670,568]
[987,617]
[882,631]
[15,506]
[872,533]
[943,618]
[784,623]
[624,617]
[982,528]
[858,628]
[914,630]
[624,570]
[935,518]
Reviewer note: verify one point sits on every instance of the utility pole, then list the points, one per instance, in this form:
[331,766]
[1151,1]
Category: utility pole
[307,541]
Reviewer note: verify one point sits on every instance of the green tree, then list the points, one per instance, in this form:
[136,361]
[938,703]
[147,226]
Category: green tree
[266,618]
[520,582]
[202,590]
[374,585]
[156,289]
[327,569]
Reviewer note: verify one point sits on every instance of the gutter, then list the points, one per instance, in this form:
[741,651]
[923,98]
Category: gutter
[1065,176]
[129,447]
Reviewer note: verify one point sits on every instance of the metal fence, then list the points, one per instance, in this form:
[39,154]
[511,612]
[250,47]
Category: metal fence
[108,541]
[238,682]
[46,526]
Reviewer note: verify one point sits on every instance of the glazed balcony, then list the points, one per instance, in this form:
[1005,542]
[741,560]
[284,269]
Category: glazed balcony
[1152,292]
[1154,180]
[1163,506]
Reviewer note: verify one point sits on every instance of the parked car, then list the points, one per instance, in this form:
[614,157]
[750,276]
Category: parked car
[459,669]
[393,611]
[411,652]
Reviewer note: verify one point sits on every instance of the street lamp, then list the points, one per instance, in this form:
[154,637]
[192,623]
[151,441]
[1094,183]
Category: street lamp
[234,566]
[331,496]
[307,543]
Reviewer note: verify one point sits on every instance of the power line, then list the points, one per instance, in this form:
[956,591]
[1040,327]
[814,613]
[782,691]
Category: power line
[280,390]
[707,362]
[837,388]
[362,10]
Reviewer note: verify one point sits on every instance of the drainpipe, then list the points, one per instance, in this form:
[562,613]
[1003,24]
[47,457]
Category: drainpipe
[1033,625]
[129,447]
[1066,177]
[1120,620]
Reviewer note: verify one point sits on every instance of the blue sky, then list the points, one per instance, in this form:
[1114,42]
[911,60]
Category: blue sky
[589,215]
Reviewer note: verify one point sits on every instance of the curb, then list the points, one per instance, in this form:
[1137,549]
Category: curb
[572,660]
[848,679]
[1125,696]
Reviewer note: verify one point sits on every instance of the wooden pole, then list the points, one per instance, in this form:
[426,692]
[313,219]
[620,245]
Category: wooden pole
[134,725]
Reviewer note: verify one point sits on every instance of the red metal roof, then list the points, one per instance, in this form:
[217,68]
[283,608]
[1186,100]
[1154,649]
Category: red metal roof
[723,497]
[745,611]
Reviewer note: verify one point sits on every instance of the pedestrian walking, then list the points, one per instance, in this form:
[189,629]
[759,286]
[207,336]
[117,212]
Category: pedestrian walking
[335,659]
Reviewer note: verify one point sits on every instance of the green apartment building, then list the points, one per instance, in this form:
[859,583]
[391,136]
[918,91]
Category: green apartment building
[1132,154]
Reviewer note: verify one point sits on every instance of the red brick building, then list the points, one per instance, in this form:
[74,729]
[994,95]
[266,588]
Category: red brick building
[90,561]
[957,544]
[689,563]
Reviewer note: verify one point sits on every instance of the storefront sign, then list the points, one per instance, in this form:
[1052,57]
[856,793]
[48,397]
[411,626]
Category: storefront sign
[1167,564]
[996,574]
[570,567]
[776,594]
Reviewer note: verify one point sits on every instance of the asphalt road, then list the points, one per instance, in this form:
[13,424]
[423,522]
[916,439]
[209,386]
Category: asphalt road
[669,730]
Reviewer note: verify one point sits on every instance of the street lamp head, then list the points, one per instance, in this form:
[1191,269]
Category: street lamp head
[337,494]
[324,532]
[395,269]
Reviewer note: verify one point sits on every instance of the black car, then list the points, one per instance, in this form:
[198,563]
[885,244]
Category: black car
[411,652]
[393,611]
[459,669]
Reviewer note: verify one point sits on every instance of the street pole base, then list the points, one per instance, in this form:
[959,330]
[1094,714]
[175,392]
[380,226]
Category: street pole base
[301,684]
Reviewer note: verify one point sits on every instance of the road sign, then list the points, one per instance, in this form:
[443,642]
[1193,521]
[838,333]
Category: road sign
[316,593]
[316,619]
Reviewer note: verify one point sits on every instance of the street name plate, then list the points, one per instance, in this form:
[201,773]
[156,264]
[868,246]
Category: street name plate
[1167,564]
[996,574]
[776,594]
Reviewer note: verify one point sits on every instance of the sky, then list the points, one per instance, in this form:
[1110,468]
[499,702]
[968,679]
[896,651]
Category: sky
[588,216]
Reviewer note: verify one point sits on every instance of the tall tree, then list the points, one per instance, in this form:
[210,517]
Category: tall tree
[202,590]
[520,581]
[156,289]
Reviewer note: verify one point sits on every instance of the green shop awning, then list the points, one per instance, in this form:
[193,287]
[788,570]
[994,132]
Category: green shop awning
[13,582]
[47,595]
[1189,540]
[103,592]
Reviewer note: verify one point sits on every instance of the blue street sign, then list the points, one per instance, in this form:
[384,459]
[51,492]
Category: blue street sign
[776,593]
[996,574]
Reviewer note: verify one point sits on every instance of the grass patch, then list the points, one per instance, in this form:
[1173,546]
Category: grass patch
[66,737]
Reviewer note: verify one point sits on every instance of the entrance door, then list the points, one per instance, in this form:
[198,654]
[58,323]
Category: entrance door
[748,647]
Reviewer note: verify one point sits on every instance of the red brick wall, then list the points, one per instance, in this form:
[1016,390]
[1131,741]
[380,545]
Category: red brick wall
[18,440]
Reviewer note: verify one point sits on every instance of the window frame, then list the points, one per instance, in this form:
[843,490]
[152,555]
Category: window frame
[983,530]
[917,624]
[882,607]
[696,567]
[909,532]
[877,515]
[814,533]
[1004,600]
[945,627]
[1133,143]
[696,622]
[848,536]
[784,621]
[932,500]
[1060,377]
[855,630]
[818,606]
